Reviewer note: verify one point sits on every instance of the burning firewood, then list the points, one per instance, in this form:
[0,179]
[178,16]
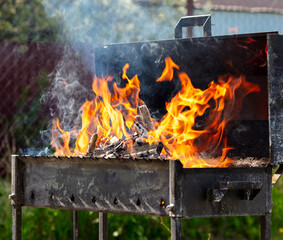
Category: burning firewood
[168,152]
[92,143]
[120,149]
[140,130]
[146,118]
[113,143]
[139,120]
[135,146]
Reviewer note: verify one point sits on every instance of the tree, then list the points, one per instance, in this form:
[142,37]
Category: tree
[26,21]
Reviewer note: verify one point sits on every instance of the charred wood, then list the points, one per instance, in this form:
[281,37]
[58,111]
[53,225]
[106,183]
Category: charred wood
[146,117]
[139,120]
[92,143]
[140,130]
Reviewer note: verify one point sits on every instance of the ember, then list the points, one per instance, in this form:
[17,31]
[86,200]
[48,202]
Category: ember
[118,123]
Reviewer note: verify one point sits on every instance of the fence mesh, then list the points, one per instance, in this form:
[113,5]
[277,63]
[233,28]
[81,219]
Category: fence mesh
[24,71]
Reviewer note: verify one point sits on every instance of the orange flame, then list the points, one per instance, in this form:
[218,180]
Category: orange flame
[167,74]
[178,130]
[195,143]
[111,113]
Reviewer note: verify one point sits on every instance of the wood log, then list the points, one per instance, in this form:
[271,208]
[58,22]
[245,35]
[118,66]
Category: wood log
[163,140]
[139,120]
[121,146]
[140,141]
[145,115]
[140,130]
[143,147]
[159,148]
[113,143]
[92,143]
[168,151]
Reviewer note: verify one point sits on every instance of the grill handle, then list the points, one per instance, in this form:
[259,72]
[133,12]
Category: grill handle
[192,21]
[249,189]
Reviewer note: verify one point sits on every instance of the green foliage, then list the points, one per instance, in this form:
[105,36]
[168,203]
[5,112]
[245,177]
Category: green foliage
[5,216]
[277,211]
[26,21]
[91,21]
[48,224]
[57,224]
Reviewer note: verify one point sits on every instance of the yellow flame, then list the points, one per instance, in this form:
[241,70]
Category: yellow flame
[112,113]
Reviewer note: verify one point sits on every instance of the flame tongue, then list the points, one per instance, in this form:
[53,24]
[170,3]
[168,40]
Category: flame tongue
[112,113]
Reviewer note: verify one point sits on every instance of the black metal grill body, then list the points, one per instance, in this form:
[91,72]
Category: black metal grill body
[140,187]
[257,56]
[164,188]
[96,184]
[201,188]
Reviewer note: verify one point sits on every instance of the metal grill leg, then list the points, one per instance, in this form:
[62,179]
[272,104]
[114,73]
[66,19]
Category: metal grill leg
[176,228]
[17,222]
[75,226]
[103,226]
[266,226]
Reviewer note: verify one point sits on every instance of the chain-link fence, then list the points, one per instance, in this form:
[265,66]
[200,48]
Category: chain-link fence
[24,74]
[28,92]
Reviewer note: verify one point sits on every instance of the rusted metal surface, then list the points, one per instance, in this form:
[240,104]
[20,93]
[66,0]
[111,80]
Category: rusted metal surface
[161,188]
[275,98]
[107,185]
[142,187]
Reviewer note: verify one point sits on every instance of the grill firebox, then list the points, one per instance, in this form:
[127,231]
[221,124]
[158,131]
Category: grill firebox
[163,187]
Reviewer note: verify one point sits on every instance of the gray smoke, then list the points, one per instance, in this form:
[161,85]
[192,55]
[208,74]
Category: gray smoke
[68,88]
[106,21]
[89,23]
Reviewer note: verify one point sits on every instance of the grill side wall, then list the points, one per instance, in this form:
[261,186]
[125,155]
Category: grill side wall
[275,98]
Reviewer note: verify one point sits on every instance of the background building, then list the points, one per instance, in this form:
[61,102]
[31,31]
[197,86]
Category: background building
[231,17]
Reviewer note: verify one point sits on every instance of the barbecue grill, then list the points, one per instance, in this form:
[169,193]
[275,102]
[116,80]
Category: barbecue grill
[162,187]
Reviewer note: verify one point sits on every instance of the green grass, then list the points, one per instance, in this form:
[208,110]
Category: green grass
[57,224]
[5,209]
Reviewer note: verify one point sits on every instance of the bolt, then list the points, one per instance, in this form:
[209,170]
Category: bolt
[12,196]
[170,207]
